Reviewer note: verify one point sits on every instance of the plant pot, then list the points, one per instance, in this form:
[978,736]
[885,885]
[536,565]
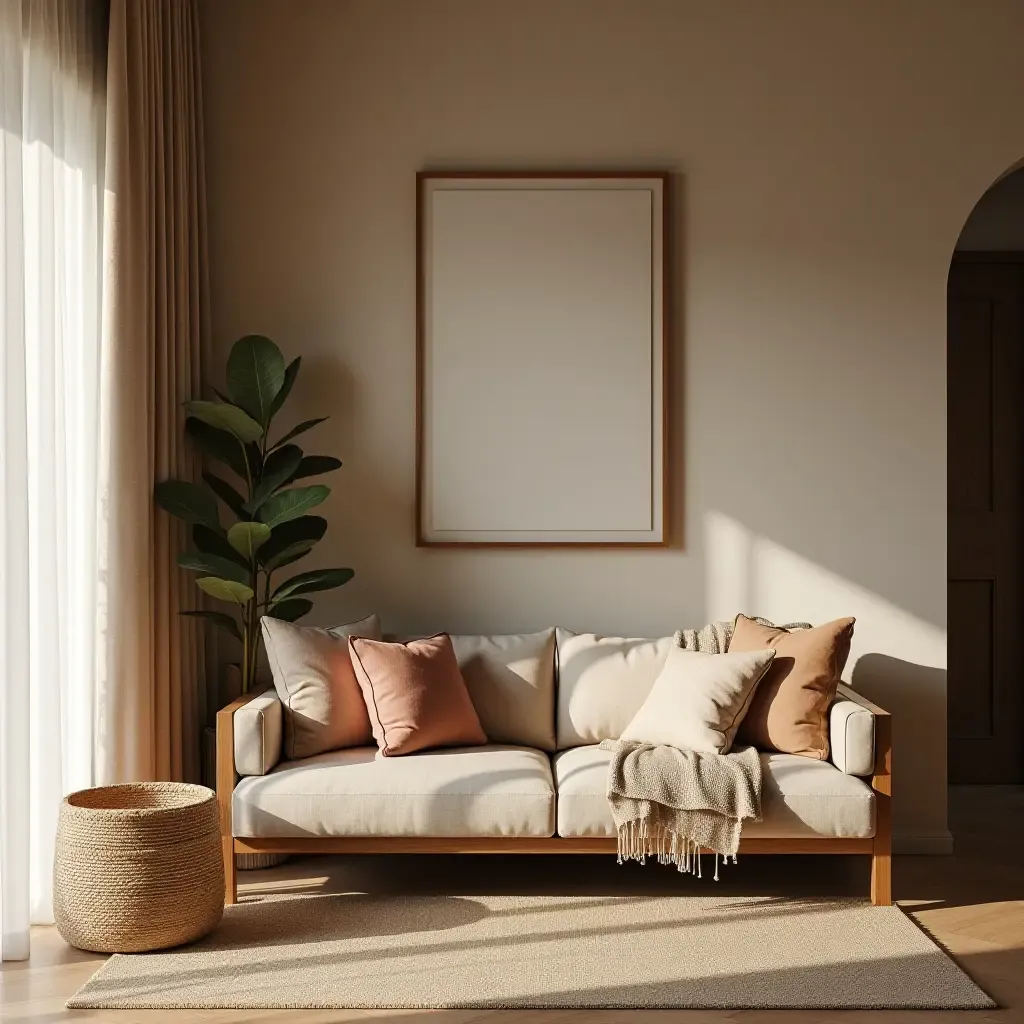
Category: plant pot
[255,861]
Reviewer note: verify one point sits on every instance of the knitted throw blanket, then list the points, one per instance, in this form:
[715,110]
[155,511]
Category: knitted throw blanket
[715,636]
[669,803]
[710,639]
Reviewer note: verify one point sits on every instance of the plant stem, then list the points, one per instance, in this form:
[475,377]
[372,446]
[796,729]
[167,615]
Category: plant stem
[251,621]
[249,612]
[254,635]
[266,593]
[245,651]
[248,472]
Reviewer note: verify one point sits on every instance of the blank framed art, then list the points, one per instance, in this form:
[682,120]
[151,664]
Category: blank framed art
[541,359]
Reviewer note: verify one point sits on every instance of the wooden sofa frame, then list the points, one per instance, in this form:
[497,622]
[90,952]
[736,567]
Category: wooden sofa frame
[878,848]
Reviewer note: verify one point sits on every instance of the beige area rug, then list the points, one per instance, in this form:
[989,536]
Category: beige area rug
[355,951]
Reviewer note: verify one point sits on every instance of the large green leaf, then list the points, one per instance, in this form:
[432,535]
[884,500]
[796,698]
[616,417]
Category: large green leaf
[248,538]
[304,530]
[300,429]
[214,565]
[307,582]
[220,619]
[278,469]
[227,494]
[210,542]
[187,501]
[225,590]
[255,375]
[291,504]
[218,444]
[290,554]
[227,417]
[314,465]
[291,609]
[290,374]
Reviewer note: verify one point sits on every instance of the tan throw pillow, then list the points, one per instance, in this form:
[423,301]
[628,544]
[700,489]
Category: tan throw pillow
[415,695]
[511,681]
[323,707]
[698,700]
[789,712]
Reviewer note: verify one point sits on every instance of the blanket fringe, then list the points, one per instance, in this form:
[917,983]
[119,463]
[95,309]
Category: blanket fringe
[637,842]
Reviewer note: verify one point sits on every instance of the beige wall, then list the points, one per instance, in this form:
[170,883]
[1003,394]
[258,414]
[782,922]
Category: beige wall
[828,155]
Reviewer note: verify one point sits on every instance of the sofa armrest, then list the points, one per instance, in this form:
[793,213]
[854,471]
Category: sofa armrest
[852,736]
[257,729]
[227,777]
[881,785]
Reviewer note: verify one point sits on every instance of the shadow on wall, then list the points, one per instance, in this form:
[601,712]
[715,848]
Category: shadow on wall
[915,696]
[897,659]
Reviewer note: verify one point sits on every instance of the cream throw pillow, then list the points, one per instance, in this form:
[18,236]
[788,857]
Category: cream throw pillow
[699,700]
[323,706]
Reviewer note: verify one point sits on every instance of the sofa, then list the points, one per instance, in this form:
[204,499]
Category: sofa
[547,700]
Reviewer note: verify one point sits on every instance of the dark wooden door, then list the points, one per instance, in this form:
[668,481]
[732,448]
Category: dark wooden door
[985,353]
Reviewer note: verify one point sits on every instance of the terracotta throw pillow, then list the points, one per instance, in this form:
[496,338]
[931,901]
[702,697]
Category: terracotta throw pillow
[789,712]
[415,695]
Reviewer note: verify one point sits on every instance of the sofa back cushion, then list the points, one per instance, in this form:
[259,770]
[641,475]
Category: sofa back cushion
[323,708]
[511,681]
[602,683]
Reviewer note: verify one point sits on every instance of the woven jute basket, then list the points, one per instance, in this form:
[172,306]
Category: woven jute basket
[138,867]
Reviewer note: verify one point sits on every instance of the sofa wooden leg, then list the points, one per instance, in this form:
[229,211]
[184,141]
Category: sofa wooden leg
[881,783]
[881,879]
[230,871]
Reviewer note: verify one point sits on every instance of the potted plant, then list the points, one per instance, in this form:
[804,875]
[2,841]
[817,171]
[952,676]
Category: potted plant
[268,526]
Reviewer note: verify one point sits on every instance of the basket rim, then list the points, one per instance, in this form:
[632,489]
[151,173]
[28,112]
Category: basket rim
[192,796]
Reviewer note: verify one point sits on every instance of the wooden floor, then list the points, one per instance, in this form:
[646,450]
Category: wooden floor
[972,902]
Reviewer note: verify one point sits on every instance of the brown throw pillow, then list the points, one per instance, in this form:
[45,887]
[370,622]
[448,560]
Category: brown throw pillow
[415,695]
[789,712]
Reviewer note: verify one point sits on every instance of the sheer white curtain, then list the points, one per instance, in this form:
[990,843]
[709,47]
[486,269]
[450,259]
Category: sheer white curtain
[52,81]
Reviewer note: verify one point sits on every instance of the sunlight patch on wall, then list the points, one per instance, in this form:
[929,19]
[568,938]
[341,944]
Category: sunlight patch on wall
[750,573]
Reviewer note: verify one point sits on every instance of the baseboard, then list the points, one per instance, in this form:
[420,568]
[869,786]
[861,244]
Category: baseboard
[918,843]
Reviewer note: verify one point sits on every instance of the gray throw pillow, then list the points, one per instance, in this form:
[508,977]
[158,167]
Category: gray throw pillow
[313,676]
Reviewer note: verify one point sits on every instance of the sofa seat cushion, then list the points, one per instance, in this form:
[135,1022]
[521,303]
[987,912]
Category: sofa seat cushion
[462,791]
[801,797]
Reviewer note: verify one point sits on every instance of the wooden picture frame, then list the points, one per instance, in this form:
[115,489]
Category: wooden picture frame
[542,400]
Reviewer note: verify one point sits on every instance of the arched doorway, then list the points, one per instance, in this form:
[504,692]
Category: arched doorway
[985,365]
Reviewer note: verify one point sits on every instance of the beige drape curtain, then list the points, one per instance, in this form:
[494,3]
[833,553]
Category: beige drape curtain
[52,121]
[154,323]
